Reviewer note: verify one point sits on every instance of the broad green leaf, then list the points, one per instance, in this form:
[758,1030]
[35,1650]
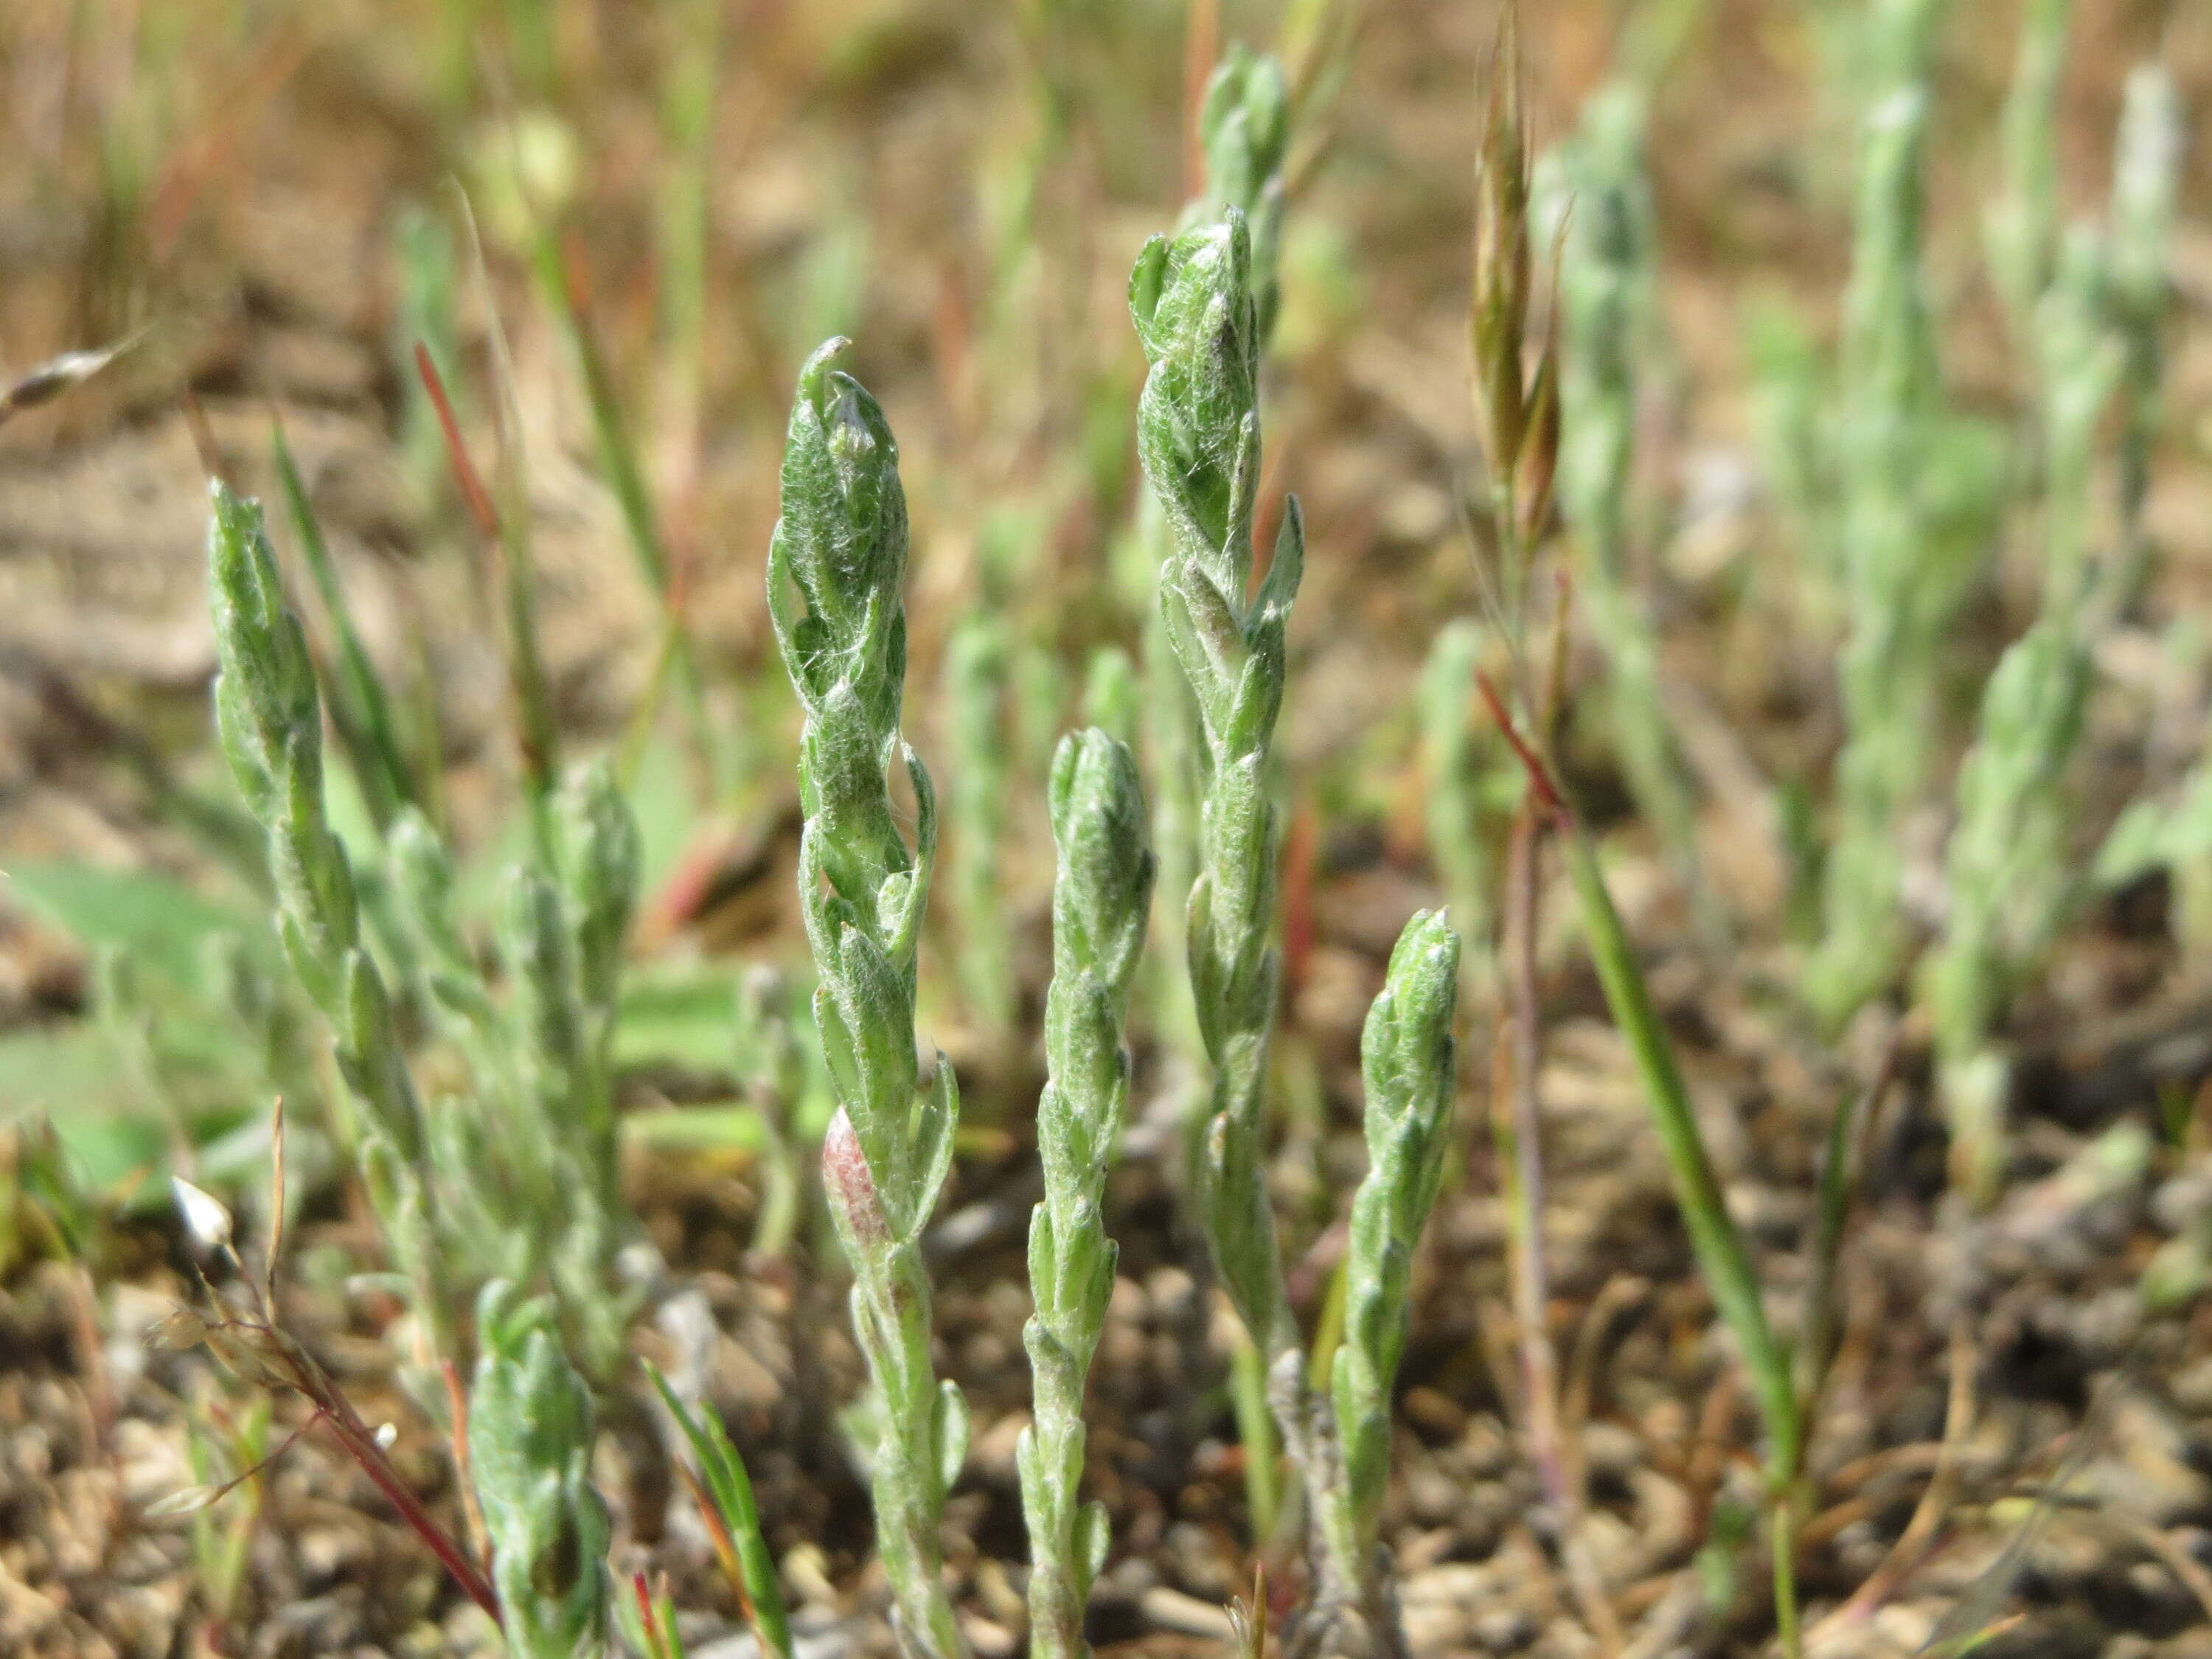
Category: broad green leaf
[662,798]
[72,1072]
[696,1129]
[156,920]
[677,1015]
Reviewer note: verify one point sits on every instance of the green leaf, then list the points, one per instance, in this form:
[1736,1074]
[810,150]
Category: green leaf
[155,920]
[675,1016]
[110,1152]
[666,806]
[724,1470]
[73,1071]
[695,1129]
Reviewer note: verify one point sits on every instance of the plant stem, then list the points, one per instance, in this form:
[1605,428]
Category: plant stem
[1721,1254]
[1782,1531]
[1256,1432]
[1723,1257]
[1516,1128]
[1198,436]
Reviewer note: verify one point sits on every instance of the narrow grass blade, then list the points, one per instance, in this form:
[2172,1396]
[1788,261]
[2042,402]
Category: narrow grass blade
[1256,1433]
[1842,1162]
[533,695]
[732,1492]
[370,731]
[651,1624]
[1722,1256]
[510,533]
[625,476]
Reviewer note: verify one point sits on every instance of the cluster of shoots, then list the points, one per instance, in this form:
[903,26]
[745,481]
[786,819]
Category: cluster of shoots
[837,569]
[530,1452]
[496,1184]
[1900,497]
[504,1164]
[1913,486]
[2092,299]
[1198,438]
[1917,493]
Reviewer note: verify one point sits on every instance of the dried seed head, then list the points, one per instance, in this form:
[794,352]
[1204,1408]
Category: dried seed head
[1498,315]
[1537,464]
[177,1331]
[49,379]
[191,1500]
[204,1215]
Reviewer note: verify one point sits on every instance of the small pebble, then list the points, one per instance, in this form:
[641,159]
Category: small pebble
[1488,1449]
[1612,1451]
[325,1553]
[988,1639]
[1503,1630]
[1432,1497]
[1171,1610]
[1438,1413]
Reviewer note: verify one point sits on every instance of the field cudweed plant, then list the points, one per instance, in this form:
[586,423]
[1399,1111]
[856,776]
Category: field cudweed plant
[841,548]
[1101,903]
[1198,428]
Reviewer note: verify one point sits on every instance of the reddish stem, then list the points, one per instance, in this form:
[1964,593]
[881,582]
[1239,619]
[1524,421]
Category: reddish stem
[364,1451]
[473,493]
[718,1535]
[1540,776]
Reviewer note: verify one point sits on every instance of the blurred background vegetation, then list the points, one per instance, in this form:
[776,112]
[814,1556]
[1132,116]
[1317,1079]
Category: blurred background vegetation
[665,207]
